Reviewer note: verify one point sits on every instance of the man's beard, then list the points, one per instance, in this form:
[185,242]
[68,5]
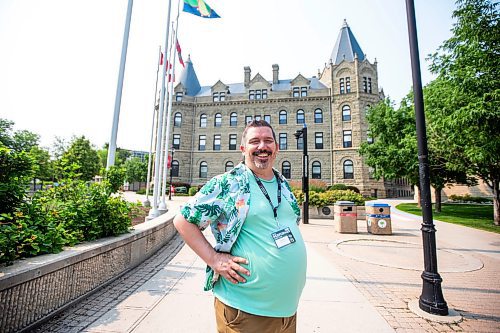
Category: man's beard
[256,160]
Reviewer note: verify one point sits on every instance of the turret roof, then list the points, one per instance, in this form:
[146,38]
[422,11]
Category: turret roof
[347,47]
[189,79]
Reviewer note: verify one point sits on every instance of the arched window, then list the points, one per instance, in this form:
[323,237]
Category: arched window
[300,117]
[233,120]
[286,169]
[316,170]
[348,169]
[178,119]
[175,168]
[283,117]
[229,166]
[346,113]
[218,120]
[203,170]
[318,116]
[203,120]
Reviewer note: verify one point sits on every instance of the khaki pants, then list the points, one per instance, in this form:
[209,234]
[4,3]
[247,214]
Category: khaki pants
[231,320]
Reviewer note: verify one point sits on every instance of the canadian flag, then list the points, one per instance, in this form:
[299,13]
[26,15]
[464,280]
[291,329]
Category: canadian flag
[169,161]
[179,52]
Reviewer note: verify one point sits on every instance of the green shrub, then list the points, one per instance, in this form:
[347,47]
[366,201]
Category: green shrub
[14,176]
[192,191]
[115,176]
[342,187]
[143,191]
[328,198]
[469,198]
[63,216]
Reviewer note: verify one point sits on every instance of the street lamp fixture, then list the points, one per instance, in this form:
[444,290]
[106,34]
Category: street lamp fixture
[302,133]
[431,300]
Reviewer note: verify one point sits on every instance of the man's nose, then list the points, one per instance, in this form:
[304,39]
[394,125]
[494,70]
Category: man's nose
[262,144]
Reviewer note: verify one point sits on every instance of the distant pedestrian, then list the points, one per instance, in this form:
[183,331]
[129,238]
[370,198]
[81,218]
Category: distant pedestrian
[258,268]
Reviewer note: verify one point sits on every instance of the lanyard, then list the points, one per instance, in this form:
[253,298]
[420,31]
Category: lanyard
[264,191]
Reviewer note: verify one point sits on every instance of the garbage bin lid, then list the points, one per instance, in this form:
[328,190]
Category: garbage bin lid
[344,203]
[377,204]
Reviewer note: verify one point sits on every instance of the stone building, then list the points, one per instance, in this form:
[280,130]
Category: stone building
[207,121]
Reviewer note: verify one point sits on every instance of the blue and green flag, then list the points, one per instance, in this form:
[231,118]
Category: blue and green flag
[199,8]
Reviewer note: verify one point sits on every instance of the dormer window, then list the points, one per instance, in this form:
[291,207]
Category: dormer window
[299,92]
[303,91]
[257,94]
[178,96]
[296,92]
[219,96]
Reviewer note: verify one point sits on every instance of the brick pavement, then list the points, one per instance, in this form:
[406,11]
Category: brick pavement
[474,294]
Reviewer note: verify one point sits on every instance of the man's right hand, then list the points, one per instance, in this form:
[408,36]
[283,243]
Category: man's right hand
[229,267]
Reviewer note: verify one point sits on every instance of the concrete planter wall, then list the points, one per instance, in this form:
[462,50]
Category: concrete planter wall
[36,288]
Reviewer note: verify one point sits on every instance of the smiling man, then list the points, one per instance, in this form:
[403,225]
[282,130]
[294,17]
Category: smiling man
[257,269]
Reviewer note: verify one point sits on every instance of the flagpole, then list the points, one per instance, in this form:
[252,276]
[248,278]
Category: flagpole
[148,179]
[119,88]
[170,70]
[154,212]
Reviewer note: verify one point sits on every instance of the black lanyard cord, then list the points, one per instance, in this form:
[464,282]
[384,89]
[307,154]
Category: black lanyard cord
[264,191]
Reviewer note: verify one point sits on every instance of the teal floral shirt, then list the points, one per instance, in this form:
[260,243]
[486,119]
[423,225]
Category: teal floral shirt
[223,204]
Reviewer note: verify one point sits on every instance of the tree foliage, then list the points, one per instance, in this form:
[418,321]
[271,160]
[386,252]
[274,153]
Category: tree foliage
[135,170]
[80,160]
[468,90]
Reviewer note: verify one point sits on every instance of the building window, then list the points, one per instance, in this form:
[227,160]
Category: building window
[346,113]
[202,142]
[296,92]
[300,117]
[267,118]
[365,84]
[348,84]
[318,116]
[348,169]
[257,94]
[217,142]
[218,120]
[347,139]
[219,96]
[222,96]
[318,140]
[283,141]
[174,171]
[303,91]
[232,141]
[215,97]
[177,141]
[178,96]
[300,143]
[367,110]
[286,170]
[283,117]
[369,85]
[203,170]
[248,119]
[229,166]
[316,170]
[342,87]
[233,120]
[257,117]
[203,120]
[177,119]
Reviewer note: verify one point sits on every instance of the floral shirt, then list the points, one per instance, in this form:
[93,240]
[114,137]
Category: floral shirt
[223,204]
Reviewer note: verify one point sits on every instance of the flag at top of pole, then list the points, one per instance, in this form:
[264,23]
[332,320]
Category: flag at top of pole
[199,8]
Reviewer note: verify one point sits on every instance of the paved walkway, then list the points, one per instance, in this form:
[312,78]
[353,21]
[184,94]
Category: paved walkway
[355,283]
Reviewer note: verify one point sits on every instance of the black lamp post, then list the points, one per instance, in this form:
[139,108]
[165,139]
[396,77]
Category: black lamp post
[305,172]
[431,300]
[171,169]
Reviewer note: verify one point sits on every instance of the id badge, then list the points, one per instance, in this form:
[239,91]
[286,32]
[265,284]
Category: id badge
[283,237]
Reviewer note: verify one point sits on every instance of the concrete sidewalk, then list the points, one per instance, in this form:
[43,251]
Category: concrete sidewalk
[355,283]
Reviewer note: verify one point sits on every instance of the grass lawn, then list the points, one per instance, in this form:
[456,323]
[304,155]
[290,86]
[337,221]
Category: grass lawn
[474,216]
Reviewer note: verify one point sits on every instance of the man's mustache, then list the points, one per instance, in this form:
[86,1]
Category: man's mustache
[261,151]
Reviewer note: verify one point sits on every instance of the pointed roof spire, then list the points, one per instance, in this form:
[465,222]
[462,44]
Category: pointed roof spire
[189,79]
[346,47]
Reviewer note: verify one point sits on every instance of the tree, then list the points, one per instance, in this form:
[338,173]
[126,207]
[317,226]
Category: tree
[19,140]
[468,64]
[80,160]
[16,171]
[135,170]
[121,155]
[42,166]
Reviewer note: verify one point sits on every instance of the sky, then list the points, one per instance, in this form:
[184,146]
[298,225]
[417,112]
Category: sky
[59,59]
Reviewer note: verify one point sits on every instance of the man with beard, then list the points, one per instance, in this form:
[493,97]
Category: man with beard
[257,269]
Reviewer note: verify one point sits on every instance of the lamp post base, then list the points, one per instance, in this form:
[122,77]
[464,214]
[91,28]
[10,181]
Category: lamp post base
[432,300]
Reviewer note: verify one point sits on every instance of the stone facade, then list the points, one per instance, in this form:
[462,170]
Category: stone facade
[332,104]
